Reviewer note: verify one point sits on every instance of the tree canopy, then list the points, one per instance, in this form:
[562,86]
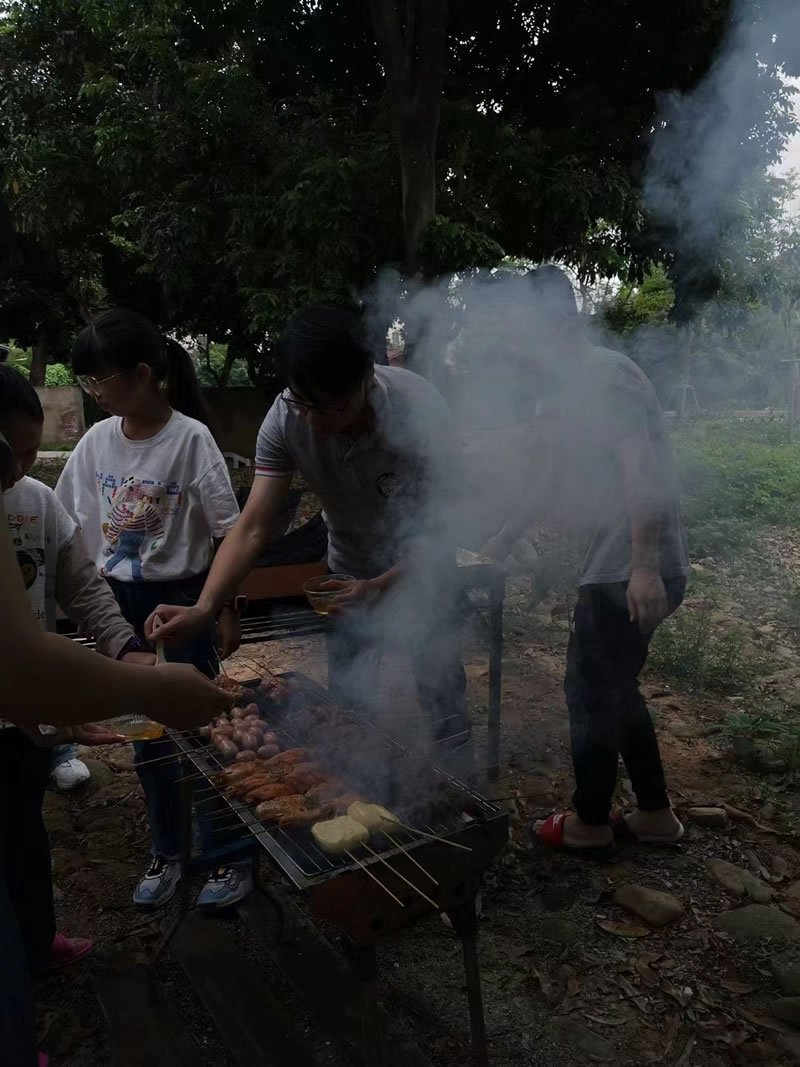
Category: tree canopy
[219,165]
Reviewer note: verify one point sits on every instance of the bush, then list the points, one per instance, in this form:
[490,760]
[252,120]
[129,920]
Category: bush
[216,358]
[58,374]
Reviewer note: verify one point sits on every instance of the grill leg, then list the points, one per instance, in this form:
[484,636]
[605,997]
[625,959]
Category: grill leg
[464,919]
[184,888]
[364,961]
[497,592]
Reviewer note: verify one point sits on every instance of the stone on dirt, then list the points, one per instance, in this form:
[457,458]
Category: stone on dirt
[562,931]
[755,921]
[786,970]
[101,775]
[787,1009]
[737,881]
[714,818]
[652,905]
[65,862]
[568,1031]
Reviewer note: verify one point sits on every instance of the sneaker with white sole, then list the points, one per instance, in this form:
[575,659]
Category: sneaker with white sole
[226,886]
[159,883]
[71,773]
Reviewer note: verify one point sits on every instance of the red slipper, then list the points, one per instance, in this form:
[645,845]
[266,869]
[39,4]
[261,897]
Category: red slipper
[551,833]
[68,950]
[623,832]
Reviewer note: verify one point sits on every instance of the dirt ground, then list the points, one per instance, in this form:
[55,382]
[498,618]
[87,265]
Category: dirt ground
[569,974]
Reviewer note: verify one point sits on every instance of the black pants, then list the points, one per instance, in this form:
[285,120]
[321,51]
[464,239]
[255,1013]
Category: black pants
[608,716]
[27,918]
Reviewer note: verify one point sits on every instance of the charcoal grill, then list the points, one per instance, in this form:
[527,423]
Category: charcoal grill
[340,890]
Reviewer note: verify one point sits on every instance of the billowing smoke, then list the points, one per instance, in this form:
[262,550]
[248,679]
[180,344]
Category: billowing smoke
[538,398]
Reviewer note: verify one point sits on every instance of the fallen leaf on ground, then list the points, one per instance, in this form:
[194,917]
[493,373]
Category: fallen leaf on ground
[765,1021]
[573,986]
[626,987]
[611,926]
[707,996]
[647,974]
[685,1057]
[604,1020]
[736,987]
[671,1032]
[550,991]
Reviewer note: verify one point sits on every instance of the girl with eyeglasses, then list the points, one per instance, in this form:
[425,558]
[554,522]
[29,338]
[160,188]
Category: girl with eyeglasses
[151,493]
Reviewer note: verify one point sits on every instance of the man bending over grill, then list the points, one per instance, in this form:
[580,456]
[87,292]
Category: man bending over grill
[372,443]
[605,472]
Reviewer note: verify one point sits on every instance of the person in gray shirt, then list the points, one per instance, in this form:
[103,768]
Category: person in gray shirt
[604,469]
[372,443]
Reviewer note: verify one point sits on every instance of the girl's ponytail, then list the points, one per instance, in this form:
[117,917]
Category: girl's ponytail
[183,388]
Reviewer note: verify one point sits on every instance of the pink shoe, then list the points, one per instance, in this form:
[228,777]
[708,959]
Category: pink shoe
[43,1059]
[67,950]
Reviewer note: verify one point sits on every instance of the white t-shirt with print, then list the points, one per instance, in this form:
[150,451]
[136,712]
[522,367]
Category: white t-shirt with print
[40,528]
[149,510]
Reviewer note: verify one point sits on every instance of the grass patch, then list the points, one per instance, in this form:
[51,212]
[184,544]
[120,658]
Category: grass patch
[734,475]
[692,651]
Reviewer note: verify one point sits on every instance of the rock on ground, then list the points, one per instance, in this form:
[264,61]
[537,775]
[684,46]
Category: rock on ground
[562,931]
[737,881]
[568,1031]
[756,921]
[786,969]
[101,773]
[714,818]
[652,905]
[787,1009]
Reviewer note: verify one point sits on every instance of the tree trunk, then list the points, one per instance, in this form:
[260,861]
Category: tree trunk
[411,37]
[39,359]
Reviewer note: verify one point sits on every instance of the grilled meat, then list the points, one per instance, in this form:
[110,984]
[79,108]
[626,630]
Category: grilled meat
[280,807]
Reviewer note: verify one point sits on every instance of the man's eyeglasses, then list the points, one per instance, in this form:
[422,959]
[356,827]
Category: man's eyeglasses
[92,385]
[321,409]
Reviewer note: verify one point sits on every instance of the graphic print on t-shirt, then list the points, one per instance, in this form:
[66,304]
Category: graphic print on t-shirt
[27,535]
[135,522]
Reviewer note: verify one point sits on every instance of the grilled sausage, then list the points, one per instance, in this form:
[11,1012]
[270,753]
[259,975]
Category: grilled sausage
[226,749]
[267,751]
[246,756]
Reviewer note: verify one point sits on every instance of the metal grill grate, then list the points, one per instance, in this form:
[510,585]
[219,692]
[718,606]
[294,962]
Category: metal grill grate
[294,851]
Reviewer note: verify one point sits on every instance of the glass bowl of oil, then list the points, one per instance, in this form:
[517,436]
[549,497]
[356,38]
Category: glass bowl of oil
[323,590]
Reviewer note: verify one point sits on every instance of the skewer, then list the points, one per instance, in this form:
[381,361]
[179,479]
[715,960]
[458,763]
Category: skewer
[174,756]
[434,837]
[211,667]
[408,855]
[374,877]
[397,874]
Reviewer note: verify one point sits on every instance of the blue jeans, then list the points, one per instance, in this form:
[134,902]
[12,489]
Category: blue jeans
[62,754]
[137,600]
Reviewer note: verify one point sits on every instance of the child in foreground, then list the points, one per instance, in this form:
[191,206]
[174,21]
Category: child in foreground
[56,570]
